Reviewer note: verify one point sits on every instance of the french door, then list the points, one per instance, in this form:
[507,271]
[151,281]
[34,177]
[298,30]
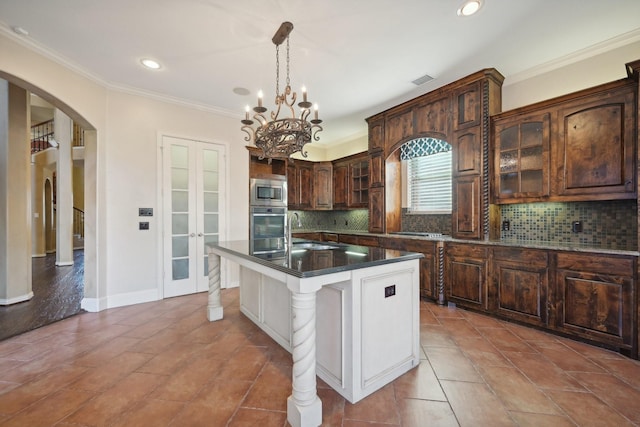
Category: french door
[193,208]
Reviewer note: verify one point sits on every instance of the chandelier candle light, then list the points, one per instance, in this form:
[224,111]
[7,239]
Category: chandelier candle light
[281,137]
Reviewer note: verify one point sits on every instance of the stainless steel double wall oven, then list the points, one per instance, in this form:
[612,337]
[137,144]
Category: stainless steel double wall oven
[268,215]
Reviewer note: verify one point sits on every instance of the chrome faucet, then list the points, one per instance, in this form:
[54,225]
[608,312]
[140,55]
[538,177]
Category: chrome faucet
[290,226]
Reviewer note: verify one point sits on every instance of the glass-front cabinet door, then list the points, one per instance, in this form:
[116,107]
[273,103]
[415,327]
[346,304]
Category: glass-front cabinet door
[521,162]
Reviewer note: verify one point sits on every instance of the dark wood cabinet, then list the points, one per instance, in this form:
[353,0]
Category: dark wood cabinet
[467,152]
[577,147]
[322,186]
[595,298]
[466,275]
[355,239]
[376,135]
[457,113]
[259,168]
[399,126]
[309,185]
[434,117]
[521,161]
[429,265]
[467,106]
[340,184]
[518,285]
[359,183]
[300,185]
[466,207]
[351,182]
[596,140]
[376,210]
[376,169]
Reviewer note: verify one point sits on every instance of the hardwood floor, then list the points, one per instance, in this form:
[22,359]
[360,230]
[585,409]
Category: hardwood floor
[57,294]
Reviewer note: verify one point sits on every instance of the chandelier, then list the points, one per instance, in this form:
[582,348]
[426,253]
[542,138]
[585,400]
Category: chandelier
[281,137]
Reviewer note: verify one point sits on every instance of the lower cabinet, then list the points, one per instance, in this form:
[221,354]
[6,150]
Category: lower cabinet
[518,285]
[589,296]
[594,298]
[465,275]
[429,265]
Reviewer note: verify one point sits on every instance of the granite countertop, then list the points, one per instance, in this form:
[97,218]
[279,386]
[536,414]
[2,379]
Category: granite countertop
[318,259]
[560,246]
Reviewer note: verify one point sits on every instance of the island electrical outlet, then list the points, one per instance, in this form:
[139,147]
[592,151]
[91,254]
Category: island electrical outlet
[389,291]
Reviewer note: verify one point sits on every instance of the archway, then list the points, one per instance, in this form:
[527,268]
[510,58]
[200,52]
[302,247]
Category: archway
[90,188]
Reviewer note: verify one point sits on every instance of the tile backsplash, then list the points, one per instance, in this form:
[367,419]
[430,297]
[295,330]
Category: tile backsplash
[610,224]
[354,220]
[426,223]
[606,224]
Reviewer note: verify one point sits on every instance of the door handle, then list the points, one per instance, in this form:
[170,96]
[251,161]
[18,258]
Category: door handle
[200,234]
[192,235]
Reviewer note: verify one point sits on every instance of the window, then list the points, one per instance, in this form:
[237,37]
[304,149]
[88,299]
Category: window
[428,175]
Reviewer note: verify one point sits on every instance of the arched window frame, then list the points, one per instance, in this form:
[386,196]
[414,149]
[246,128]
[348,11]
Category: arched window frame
[428,175]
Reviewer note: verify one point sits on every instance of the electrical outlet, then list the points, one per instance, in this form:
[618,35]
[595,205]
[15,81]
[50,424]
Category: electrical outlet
[143,225]
[506,225]
[389,291]
[145,211]
[576,226]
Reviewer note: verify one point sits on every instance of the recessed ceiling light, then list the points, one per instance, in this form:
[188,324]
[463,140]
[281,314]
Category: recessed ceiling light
[150,63]
[241,91]
[469,7]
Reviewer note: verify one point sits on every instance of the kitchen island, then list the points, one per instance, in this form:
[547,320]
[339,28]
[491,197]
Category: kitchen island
[347,313]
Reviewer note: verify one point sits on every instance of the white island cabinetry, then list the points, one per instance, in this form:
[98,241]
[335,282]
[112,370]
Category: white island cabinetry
[367,328]
[348,314]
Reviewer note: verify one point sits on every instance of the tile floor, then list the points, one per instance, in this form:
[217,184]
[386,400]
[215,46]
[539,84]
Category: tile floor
[164,364]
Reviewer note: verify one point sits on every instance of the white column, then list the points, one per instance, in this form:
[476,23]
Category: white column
[15,195]
[37,220]
[63,133]
[304,407]
[214,306]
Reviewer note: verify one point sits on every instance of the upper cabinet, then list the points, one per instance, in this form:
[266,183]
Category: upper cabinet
[521,162]
[596,145]
[351,182]
[300,185]
[457,113]
[578,147]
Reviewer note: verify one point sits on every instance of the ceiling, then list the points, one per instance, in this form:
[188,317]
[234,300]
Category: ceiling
[356,58]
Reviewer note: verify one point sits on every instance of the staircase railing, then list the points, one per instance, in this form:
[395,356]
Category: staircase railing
[78,222]
[41,135]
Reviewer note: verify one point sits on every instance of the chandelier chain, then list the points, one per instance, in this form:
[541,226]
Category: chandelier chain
[288,82]
[277,70]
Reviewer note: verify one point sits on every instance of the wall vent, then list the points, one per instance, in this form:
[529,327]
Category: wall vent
[422,80]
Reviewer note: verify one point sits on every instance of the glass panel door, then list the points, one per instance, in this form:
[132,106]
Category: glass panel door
[193,179]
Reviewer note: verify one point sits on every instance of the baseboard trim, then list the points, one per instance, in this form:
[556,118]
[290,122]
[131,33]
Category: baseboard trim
[98,304]
[64,264]
[15,300]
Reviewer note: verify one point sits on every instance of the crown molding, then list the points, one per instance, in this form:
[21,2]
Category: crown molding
[59,59]
[580,55]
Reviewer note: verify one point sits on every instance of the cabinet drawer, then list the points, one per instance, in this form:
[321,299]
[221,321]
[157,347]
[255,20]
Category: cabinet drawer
[470,251]
[532,258]
[368,241]
[596,263]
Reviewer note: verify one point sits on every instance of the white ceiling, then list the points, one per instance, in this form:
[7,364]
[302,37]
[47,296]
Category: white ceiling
[355,57]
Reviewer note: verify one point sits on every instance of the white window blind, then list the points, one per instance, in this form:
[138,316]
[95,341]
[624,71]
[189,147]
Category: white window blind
[430,183]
